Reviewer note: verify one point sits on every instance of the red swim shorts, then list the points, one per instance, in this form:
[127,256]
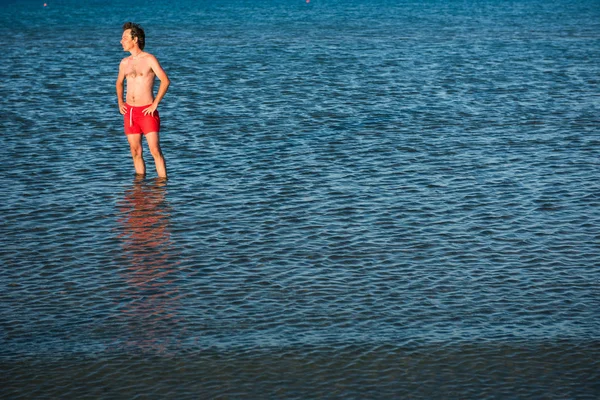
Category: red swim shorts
[136,122]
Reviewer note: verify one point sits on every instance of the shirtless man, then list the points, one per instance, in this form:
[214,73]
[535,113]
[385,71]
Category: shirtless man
[140,106]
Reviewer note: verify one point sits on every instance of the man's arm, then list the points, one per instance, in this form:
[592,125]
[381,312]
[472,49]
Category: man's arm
[162,89]
[120,90]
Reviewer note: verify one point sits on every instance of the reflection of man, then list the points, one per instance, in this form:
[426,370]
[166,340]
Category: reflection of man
[140,109]
[145,215]
[149,306]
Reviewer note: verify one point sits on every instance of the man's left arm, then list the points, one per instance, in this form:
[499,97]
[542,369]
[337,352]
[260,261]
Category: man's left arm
[162,89]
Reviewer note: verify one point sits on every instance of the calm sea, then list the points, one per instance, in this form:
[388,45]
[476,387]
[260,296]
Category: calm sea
[366,199]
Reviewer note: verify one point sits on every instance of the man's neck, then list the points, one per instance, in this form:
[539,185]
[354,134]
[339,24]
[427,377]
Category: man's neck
[135,52]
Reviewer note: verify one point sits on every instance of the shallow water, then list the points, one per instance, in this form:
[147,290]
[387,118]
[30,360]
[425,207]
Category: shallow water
[365,200]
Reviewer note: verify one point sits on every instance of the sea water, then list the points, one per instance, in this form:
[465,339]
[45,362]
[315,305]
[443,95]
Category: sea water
[366,199]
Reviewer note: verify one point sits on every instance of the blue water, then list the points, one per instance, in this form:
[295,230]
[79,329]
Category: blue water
[366,199]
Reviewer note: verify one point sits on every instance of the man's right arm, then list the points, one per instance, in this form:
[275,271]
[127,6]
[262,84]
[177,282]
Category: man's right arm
[120,90]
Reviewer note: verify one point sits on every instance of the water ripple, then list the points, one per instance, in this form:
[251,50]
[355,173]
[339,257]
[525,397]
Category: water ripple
[366,200]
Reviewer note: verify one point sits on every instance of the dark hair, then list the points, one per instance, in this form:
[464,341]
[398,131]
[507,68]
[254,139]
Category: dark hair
[136,32]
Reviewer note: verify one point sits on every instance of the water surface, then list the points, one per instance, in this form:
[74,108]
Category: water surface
[366,200]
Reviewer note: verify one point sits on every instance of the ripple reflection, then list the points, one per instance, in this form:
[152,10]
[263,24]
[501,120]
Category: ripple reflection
[149,304]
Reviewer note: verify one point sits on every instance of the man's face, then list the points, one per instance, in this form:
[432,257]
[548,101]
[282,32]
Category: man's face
[126,41]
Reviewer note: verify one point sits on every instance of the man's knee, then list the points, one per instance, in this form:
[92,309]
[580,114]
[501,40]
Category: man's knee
[154,147]
[136,151]
[155,151]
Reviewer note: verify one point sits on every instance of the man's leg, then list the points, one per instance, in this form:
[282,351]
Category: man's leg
[135,144]
[159,160]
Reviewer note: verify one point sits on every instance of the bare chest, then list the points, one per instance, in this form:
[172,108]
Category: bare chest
[138,69]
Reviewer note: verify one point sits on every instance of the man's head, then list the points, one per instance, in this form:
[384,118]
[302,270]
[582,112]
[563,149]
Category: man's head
[136,33]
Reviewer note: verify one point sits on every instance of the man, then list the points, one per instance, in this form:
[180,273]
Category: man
[140,106]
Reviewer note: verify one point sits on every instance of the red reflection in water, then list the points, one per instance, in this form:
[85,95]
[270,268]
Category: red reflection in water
[150,304]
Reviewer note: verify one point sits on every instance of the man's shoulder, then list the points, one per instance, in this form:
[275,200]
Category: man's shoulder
[143,54]
[149,56]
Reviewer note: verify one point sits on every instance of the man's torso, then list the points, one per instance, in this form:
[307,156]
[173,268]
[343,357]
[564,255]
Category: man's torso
[140,80]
